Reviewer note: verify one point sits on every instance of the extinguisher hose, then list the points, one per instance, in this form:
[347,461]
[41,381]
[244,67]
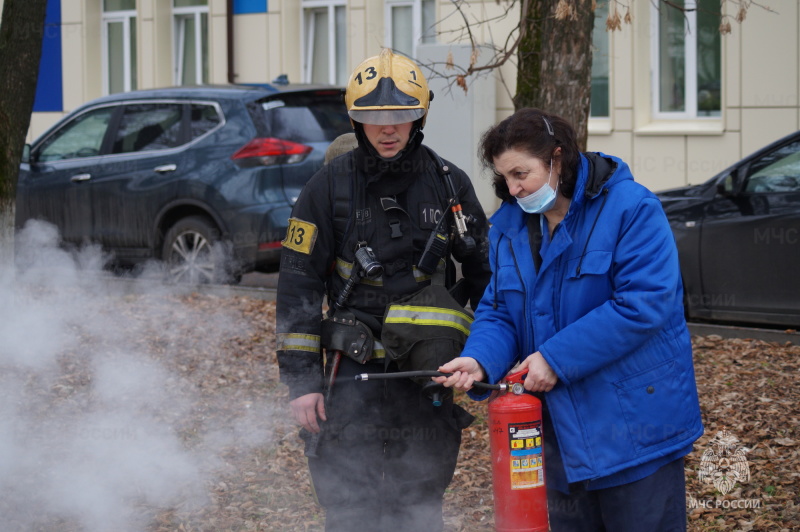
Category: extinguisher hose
[424,373]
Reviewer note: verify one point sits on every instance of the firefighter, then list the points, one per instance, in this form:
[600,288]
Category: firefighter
[374,232]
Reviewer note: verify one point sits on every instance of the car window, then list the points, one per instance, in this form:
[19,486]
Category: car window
[778,171]
[302,117]
[81,137]
[204,119]
[147,127]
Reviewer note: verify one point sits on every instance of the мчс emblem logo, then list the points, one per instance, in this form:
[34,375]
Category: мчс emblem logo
[724,463]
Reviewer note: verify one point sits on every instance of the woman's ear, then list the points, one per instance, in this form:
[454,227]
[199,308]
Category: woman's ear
[557,161]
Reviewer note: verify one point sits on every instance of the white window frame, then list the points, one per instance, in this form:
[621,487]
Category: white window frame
[309,35]
[179,17]
[604,122]
[114,17]
[417,24]
[689,65]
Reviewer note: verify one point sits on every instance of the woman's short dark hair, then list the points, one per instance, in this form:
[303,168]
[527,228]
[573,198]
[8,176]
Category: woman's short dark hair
[538,134]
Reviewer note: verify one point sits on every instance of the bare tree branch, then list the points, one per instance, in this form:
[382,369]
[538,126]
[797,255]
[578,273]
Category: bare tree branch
[506,52]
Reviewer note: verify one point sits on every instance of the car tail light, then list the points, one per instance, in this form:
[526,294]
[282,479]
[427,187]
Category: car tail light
[270,151]
[265,246]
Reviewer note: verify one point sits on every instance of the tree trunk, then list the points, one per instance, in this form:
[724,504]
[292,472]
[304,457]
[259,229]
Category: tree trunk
[555,62]
[21,33]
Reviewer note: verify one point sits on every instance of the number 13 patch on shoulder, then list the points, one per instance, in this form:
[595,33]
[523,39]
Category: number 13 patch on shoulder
[300,236]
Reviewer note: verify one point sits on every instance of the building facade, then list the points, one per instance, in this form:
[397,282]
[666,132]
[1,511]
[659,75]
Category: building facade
[670,93]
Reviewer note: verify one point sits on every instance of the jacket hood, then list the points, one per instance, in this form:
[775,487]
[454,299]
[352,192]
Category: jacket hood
[596,171]
[600,170]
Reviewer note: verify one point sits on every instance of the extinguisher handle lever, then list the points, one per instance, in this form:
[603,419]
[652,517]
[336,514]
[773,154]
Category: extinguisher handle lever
[518,377]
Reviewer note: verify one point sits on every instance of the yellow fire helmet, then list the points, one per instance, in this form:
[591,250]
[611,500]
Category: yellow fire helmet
[387,89]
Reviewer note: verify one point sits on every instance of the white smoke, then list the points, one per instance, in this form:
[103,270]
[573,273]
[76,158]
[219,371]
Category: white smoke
[93,422]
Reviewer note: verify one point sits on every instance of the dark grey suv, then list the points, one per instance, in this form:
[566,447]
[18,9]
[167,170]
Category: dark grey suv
[201,178]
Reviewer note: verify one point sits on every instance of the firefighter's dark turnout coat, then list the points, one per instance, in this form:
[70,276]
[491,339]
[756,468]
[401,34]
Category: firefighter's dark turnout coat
[393,209]
[387,453]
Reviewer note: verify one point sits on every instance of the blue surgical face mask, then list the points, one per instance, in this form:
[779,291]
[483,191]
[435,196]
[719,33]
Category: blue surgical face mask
[542,200]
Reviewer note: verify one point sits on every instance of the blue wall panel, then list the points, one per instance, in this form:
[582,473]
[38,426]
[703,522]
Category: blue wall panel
[241,7]
[50,84]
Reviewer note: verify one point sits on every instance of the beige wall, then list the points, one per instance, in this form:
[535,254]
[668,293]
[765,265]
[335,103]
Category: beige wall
[761,74]
[760,102]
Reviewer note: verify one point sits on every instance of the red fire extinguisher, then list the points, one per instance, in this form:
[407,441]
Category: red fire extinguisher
[515,425]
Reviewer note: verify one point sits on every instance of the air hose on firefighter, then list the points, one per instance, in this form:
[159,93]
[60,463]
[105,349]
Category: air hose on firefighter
[436,247]
[517,449]
[466,244]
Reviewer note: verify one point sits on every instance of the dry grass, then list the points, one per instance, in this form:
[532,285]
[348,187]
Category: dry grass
[223,403]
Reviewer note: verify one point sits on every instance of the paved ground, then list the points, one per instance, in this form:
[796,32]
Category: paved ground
[260,280]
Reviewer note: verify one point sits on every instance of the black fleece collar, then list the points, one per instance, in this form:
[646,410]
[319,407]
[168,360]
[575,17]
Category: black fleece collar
[600,171]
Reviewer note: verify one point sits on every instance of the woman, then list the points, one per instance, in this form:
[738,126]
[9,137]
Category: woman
[586,296]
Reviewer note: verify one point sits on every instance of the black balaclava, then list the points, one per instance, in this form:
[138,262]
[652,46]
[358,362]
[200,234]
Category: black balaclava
[390,176]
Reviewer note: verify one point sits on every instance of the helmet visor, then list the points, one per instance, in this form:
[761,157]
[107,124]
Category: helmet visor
[388,117]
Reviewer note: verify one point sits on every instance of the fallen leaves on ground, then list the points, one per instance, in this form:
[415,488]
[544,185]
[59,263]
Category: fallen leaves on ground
[220,370]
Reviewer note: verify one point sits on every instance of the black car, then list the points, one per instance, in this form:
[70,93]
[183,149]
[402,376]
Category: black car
[201,178]
[738,239]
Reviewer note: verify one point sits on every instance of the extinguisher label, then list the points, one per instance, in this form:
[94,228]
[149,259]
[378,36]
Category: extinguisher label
[527,464]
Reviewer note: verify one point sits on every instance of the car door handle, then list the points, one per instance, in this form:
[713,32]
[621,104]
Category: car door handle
[164,168]
[80,177]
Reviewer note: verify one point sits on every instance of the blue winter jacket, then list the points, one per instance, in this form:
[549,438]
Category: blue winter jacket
[605,310]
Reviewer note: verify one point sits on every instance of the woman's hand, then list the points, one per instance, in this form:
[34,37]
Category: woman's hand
[541,377]
[306,409]
[465,371]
